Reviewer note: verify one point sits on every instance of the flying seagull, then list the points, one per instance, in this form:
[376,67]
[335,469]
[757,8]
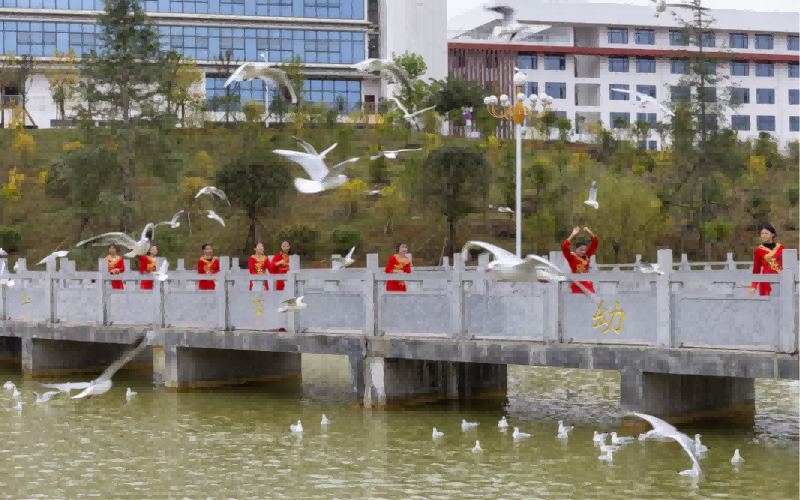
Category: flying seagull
[53,256]
[668,431]
[347,260]
[392,155]
[102,384]
[267,71]
[310,149]
[47,396]
[4,275]
[313,163]
[213,215]
[212,191]
[161,274]
[645,100]
[509,28]
[137,247]
[292,305]
[412,117]
[384,66]
[592,201]
[174,222]
[68,386]
[3,253]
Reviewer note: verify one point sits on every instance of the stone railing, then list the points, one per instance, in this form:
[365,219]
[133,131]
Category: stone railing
[682,308]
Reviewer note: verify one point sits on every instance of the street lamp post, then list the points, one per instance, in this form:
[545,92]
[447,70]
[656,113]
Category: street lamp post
[517,113]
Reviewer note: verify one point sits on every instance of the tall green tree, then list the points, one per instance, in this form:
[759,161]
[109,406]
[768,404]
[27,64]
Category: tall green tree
[230,103]
[280,102]
[415,96]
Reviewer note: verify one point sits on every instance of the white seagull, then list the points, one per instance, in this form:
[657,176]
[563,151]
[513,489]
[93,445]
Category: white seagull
[652,268]
[16,393]
[137,247]
[68,386]
[519,435]
[292,305]
[4,275]
[325,420]
[102,384]
[53,256]
[645,100]
[384,66]
[477,448]
[313,163]
[346,260]
[129,394]
[698,446]
[211,190]
[267,71]
[510,28]
[3,253]
[213,215]
[174,222]
[392,155]
[607,457]
[437,434]
[412,117]
[736,457]
[599,438]
[502,422]
[296,428]
[608,449]
[592,201]
[562,429]
[668,431]
[468,425]
[620,440]
[17,407]
[161,274]
[47,396]
[648,435]
[9,386]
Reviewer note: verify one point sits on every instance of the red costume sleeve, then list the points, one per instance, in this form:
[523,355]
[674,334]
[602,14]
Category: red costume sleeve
[407,267]
[592,247]
[215,266]
[568,255]
[251,264]
[757,263]
[278,268]
[201,268]
[142,264]
[390,264]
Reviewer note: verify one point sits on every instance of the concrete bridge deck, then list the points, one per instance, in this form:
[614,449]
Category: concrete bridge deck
[689,341]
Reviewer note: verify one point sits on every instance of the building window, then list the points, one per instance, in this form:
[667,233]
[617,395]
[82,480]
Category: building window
[218,99]
[532,88]
[618,64]
[561,114]
[709,67]
[645,65]
[617,35]
[765,123]
[739,96]
[740,68]
[678,37]
[555,63]
[526,61]
[647,90]
[556,90]
[764,42]
[648,145]
[765,96]
[679,66]
[334,93]
[740,122]
[618,96]
[620,120]
[794,96]
[707,94]
[645,37]
[794,70]
[681,95]
[491,60]
[42,39]
[738,40]
[708,39]
[793,42]
[794,124]
[650,118]
[765,69]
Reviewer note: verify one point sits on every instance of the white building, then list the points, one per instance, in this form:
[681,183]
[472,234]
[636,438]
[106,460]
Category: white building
[328,35]
[579,51]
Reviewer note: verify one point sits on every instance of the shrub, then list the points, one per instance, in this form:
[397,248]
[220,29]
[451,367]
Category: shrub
[10,239]
[303,237]
[344,238]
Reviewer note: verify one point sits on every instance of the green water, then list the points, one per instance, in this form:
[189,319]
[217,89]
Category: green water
[235,443]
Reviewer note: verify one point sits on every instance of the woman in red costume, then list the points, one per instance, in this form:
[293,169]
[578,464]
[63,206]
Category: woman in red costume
[259,264]
[115,266]
[280,263]
[147,265]
[767,259]
[579,260]
[208,264]
[398,263]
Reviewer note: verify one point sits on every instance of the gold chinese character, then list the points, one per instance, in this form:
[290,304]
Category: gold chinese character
[259,308]
[26,299]
[599,317]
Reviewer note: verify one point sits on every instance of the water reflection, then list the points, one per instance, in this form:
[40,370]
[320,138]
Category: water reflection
[237,440]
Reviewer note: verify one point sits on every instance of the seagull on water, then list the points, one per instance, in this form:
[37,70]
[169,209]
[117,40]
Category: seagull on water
[385,66]
[213,215]
[607,457]
[562,429]
[519,435]
[608,449]
[412,117]
[668,431]
[267,71]
[9,386]
[53,256]
[296,428]
[17,407]
[346,260]
[313,163]
[592,201]
[211,190]
[620,440]
[292,305]
[736,457]
[4,275]
[599,438]
[437,434]
[47,396]
[129,394]
[102,384]
[325,420]
[698,446]
[502,423]
[468,425]
[477,448]
[392,155]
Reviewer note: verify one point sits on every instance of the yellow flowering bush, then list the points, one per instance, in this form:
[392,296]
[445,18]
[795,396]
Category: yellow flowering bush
[205,163]
[24,145]
[12,190]
[491,143]
[72,145]
[42,179]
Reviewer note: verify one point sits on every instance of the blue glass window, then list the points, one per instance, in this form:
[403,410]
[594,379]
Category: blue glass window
[679,66]
[618,96]
[794,96]
[561,114]
[765,69]
[526,61]
[647,117]
[617,35]
[681,94]
[765,123]
[645,37]
[765,96]
[709,39]
[618,64]
[738,40]
[333,93]
[740,68]
[648,145]
[620,120]
[556,90]
[793,42]
[794,70]
[707,94]
[740,96]
[764,42]
[555,62]
[678,37]
[794,124]
[647,90]
[532,88]
[645,65]
[740,122]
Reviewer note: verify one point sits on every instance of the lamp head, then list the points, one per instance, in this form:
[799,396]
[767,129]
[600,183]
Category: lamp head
[533,98]
[520,97]
[520,79]
[504,100]
[490,100]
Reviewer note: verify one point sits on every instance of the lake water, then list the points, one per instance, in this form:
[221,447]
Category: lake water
[235,443]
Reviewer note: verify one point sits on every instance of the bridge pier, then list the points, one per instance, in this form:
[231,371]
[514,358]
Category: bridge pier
[393,381]
[53,358]
[680,398]
[10,350]
[183,368]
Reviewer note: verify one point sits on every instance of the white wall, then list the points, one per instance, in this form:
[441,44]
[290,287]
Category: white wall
[418,26]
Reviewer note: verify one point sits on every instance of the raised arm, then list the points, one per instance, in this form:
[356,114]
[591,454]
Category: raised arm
[593,245]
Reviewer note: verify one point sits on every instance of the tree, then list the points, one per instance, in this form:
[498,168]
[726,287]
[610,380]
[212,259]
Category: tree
[641,131]
[179,87]
[280,102]
[564,126]
[415,96]
[453,179]
[254,183]
[454,94]
[230,102]
[63,79]
[663,130]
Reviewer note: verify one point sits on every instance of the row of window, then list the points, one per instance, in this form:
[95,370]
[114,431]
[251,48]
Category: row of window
[707,39]
[332,92]
[530,61]
[554,90]
[738,122]
[201,43]
[317,9]
[738,95]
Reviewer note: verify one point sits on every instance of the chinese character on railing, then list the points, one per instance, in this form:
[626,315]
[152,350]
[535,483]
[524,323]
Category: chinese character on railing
[599,318]
[259,308]
[26,299]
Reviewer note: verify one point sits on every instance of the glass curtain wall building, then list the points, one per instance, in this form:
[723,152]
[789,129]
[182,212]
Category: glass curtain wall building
[327,35]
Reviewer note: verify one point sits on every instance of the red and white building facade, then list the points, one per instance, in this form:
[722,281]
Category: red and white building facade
[579,52]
